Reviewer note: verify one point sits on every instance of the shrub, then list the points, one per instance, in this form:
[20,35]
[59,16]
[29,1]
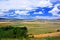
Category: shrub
[58,30]
[13,32]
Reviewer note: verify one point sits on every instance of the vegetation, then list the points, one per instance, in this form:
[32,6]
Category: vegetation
[13,32]
[58,30]
[46,38]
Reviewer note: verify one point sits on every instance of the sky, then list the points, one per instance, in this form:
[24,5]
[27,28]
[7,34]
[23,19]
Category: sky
[30,9]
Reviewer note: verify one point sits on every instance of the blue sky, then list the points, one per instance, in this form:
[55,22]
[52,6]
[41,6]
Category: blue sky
[30,9]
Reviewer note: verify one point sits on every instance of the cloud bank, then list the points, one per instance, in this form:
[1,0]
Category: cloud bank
[30,9]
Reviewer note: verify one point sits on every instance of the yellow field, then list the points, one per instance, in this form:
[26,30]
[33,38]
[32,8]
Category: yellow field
[39,28]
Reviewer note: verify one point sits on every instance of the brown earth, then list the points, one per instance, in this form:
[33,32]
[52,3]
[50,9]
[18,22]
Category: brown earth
[46,35]
[35,22]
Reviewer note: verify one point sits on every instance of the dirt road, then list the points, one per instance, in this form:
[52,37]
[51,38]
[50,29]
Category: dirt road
[46,35]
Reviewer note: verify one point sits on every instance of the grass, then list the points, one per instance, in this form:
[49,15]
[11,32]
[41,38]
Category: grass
[13,32]
[46,38]
[37,28]
[41,30]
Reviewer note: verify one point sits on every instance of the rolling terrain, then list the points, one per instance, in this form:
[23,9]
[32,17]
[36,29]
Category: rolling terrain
[35,27]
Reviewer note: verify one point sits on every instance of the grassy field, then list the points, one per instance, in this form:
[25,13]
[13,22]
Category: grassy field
[36,28]
[46,38]
[40,27]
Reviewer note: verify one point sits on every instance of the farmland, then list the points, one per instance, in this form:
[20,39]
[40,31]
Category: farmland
[36,27]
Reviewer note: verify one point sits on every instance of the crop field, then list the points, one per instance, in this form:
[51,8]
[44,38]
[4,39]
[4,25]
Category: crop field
[37,28]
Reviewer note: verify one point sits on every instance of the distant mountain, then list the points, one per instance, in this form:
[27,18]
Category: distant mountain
[15,20]
[10,19]
[2,18]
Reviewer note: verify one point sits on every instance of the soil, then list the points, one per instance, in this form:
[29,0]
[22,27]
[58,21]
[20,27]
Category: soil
[46,35]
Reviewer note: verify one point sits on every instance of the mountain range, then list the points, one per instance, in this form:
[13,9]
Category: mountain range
[14,19]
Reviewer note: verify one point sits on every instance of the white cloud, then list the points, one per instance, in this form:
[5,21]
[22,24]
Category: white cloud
[4,10]
[54,1]
[55,10]
[15,4]
[45,17]
[38,12]
[28,5]
[44,3]
[41,3]
[24,4]
[1,13]
[22,12]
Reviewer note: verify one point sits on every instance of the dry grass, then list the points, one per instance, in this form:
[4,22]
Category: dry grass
[46,35]
[35,22]
[37,27]
[7,23]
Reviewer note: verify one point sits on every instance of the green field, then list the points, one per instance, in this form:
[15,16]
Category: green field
[36,27]
[40,27]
